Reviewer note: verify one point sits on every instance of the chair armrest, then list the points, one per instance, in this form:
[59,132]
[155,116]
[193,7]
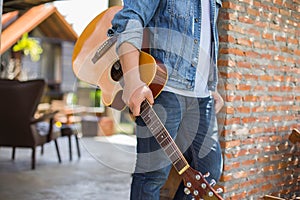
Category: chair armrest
[47,116]
[44,117]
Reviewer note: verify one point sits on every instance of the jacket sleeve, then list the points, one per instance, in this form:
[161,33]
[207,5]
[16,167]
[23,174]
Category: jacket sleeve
[128,23]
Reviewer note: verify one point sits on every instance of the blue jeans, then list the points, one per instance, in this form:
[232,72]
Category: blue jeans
[192,124]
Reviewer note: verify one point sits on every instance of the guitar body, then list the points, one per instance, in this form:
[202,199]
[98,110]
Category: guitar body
[106,73]
[168,191]
[96,62]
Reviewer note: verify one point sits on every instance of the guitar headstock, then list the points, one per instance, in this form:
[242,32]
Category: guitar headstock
[196,185]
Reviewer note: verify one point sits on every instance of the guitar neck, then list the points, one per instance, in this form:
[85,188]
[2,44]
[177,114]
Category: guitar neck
[163,137]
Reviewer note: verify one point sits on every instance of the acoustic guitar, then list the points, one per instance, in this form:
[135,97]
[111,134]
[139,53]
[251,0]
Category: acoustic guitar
[95,61]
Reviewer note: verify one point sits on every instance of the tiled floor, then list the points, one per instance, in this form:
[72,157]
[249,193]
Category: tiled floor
[103,172]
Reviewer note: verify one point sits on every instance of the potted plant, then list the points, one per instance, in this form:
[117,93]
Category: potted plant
[25,46]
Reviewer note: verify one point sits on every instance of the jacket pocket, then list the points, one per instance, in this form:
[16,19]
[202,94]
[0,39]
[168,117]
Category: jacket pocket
[179,8]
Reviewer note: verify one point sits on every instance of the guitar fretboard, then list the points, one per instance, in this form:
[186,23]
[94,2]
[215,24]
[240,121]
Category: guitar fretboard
[163,137]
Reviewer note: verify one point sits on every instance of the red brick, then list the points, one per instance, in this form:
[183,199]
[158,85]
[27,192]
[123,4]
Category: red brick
[234,165]
[265,119]
[260,24]
[239,196]
[243,109]
[249,162]
[244,41]
[229,110]
[251,11]
[273,48]
[263,159]
[231,98]
[255,130]
[245,19]
[280,38]
[276,157]
[230,5]
[229,144]
[254,191]
[249,120]
[241,152]
[250,98]
[254,151]
[231,188]
[266,78]
[253,32]
[280,58]
[227,38]
[251,77]
[268,168]
[279,2]
[277,98]
[285,12]
[240,174]
[268,36]
[259,45]
[266,56]
[243,87]
[225,178]
[235,120]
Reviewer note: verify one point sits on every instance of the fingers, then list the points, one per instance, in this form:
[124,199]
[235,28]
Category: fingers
[218,106]
[219,102]
[149,96]
[138,97]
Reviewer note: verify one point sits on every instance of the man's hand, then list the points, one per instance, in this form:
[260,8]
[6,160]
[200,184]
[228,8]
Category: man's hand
[135,91]
[138,97]
[219,102]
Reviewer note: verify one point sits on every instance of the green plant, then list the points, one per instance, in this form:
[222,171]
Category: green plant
[29,46]
[95,97]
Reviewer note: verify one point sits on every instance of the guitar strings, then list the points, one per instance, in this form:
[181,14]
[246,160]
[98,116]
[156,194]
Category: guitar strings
[147,110]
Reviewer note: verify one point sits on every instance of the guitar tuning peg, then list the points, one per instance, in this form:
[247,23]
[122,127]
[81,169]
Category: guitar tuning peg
[219,190]
[187,191]
[206,175]
[212,183]
[188,184]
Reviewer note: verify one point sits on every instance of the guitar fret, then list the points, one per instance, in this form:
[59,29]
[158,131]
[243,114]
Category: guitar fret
[153,124]
[171,151]
[180,164]
[162,136]
[156,129]
[174,157]
[165,143]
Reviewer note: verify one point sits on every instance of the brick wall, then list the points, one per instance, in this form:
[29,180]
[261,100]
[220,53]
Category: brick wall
[259,65]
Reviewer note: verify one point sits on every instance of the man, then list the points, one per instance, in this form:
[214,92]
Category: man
[182,34]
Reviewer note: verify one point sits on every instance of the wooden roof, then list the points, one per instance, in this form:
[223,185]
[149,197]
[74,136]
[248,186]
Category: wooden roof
[21,5]
[45,17]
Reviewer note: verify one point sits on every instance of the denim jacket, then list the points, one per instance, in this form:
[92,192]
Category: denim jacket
[174,30]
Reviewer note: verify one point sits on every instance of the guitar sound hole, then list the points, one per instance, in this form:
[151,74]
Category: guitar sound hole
[116,71]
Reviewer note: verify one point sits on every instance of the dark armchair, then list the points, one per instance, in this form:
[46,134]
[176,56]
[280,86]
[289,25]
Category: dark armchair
[18,126]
